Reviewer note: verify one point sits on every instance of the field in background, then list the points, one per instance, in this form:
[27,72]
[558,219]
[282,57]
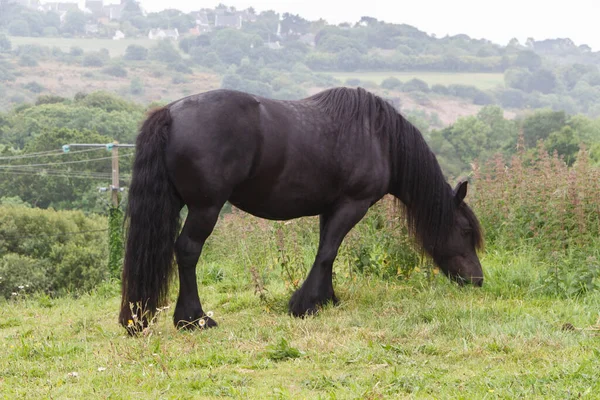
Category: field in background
[480,80]
[115,47]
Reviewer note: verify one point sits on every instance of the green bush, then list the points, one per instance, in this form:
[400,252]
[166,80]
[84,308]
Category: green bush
[51,251]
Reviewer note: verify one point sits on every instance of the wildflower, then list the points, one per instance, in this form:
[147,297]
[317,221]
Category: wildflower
[202,322]
[21,287]
[14,294]
[130,323]
[73,374]
[209,314]
[100,369]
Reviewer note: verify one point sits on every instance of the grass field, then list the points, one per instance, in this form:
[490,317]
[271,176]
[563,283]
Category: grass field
[387,339]
[115,47]
[480,80]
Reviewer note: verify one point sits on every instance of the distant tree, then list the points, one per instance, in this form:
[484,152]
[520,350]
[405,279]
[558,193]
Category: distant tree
[136,52]
[294,25]
[574,73]
[512,98]
[528,59]
[415,85]
[5,44]
[518,78]
[349,59]
[92,60]
[19,27]
[564,143]
[74,22]
[541,124]
[51,20]
[368,21]
[543,80]
[76,51]
[164,51]
[391,83]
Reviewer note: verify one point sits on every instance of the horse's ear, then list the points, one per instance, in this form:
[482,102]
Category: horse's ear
[460,192]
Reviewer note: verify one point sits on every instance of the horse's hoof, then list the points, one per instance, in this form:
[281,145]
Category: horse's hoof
[301,307]
[199,323]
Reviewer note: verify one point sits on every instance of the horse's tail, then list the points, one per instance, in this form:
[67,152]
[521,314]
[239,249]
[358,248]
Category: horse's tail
[153,223]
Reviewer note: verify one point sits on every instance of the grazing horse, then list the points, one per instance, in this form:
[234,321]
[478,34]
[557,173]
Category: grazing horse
[333,154]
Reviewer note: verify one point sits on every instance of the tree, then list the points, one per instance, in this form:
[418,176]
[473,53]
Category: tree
[294,25]
[164,51]
[542,80]
[541,124]
[528,59]
[349,59]
[518,78]
[19,27]
[136,52]
[5,44]
[74,22]
[564,143]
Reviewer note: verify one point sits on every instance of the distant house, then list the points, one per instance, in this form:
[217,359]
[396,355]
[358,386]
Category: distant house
[118,35]
[95,7]
[59,7]
[156,34]
[199,30]
[201,18]
[228,21]
[113,11]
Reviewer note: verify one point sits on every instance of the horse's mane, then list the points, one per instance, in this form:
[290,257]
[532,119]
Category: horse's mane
[417,178]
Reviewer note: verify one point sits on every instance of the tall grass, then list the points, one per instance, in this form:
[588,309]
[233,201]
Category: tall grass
[535,201]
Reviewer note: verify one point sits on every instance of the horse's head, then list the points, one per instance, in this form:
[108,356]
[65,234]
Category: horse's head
[457,255]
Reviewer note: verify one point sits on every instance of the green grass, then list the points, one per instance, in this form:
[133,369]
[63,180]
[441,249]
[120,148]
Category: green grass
[115,47]
[386,339]
[480,80]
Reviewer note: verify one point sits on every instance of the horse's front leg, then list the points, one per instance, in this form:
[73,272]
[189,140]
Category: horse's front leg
[317,289]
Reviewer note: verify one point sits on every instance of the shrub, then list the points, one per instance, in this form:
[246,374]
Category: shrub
[391,83]
[536,200]
[92,60]
[136,52]
[115,70]
[27,60]
[43,250]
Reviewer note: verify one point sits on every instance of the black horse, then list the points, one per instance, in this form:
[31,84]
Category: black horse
[333,154]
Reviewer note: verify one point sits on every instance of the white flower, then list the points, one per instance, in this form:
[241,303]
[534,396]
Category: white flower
[73,374]
[209,314]
[21,287]
[100,369]
[201,322]
[15,294]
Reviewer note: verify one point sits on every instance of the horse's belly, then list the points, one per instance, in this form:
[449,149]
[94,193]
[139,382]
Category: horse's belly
[283,205]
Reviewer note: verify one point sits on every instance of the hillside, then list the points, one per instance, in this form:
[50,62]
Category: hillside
[286,56]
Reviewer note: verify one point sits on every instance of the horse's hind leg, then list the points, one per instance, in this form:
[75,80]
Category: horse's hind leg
[317,289]
[198,227]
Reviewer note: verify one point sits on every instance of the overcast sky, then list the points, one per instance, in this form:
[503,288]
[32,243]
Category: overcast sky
[498,21]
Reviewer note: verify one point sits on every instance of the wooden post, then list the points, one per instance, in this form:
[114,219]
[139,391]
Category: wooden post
[115,174]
